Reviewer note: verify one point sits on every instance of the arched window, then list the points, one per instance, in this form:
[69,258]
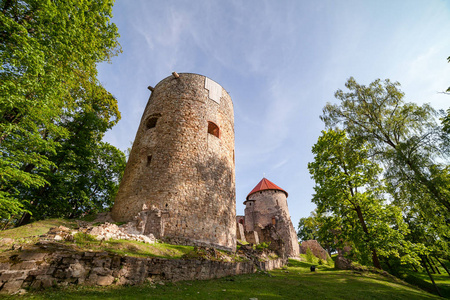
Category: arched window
[213,129]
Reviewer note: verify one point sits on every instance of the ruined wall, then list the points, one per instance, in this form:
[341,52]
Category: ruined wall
[267,214]
[38,270]
[182,163]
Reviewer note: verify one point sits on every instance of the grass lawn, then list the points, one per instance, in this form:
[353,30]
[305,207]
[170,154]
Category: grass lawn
[294,282]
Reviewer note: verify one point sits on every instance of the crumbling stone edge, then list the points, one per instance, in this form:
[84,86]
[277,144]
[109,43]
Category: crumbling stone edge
[37,269]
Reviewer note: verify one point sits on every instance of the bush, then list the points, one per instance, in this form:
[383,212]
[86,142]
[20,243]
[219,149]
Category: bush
[310,256]
[330,261]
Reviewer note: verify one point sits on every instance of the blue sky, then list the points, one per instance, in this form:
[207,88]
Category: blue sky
[280,61]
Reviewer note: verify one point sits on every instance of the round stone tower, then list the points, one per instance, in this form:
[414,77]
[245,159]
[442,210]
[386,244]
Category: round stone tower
[181,165]
[267,213]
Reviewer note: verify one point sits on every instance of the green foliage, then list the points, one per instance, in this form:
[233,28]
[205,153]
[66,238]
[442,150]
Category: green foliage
[310,257]
[330,261]
[262,246]
[53,110]
[406,140]
[405,137]
[349,189]
[307,229]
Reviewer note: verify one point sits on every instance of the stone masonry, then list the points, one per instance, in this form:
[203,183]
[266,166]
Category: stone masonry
[48,266]
[181,166]
[267,219]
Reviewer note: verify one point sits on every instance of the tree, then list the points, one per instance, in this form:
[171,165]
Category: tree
[348,186]
[406,138]
[307,229]
[48,56]
[317,227]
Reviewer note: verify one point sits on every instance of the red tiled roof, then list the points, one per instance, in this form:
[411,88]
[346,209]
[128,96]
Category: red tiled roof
[266,184]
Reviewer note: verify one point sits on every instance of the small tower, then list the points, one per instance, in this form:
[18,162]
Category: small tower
[267,213]
[181,165]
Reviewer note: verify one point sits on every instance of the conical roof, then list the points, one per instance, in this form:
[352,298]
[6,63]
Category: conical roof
[266,184]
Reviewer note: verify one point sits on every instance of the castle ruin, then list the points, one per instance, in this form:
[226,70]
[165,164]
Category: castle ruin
[267,219]
[180,174]
[179,182]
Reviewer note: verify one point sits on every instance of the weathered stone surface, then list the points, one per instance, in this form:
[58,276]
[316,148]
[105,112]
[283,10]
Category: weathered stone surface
[12,286]
[124,270]
[4,266]
[6,241]
[105,280]
[342,263]
[267,214]
[32,255]
[182,164]
[315,247]
[26,265]
[77,270]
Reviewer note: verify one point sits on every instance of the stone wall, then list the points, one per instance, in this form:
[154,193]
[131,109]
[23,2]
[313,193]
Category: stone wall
[36,270]
[182,162]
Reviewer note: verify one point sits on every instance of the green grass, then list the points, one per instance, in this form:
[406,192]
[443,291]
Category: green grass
[36,228]
[422,280]
[293,282]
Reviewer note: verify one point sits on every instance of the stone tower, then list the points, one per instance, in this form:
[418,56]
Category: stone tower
[267,214]
[181,166]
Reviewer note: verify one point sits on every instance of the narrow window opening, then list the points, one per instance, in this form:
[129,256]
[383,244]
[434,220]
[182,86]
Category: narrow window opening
[149,160]
[274,221]
[213,129]
[151,123]
[167,205]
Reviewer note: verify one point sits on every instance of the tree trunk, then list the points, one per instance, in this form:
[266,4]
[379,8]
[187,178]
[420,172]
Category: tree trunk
[434,265]
[375,260]
[443,265]
[25,219]
[431,277]
[414,267]
[431,266]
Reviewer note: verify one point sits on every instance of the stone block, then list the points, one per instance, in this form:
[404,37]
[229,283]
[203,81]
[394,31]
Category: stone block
[5,266]
[12,286]
[25,265]
[13,275]
[105,280]
[76,270]
[29,255]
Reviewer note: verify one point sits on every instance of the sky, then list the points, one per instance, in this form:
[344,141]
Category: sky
[281,62]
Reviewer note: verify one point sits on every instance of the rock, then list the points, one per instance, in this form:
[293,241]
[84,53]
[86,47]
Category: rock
[105,280]
[77,270]
[342,263]
[11,287]
[6,241]
[29,255]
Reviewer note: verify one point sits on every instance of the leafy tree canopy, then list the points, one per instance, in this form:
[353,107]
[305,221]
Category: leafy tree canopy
[53,110]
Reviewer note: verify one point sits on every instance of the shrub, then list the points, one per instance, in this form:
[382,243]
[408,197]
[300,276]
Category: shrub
[263,245]
[309,256]
[330,261]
